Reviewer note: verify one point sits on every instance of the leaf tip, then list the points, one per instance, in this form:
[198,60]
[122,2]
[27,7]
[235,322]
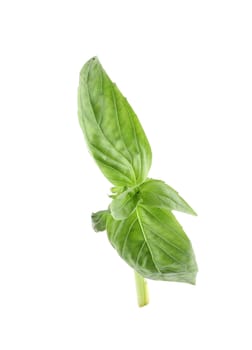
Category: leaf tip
[85,69]
[193,212]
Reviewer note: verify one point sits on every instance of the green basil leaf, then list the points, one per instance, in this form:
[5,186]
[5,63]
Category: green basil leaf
[124,204]
[99,220]
[118,190]
[156,193]
[153,243]
[112,130]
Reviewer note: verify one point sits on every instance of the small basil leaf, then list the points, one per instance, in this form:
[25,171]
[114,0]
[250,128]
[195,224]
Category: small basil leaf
[156,193]
[124,204]
[112,130]
[153,243]
[99,220]
[118,190]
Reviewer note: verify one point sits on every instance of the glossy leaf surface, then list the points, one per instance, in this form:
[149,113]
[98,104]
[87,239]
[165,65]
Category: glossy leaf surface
[112,130]
[152,242]
[156,193]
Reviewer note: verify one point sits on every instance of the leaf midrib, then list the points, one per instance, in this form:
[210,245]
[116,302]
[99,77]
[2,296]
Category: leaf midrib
[145,239]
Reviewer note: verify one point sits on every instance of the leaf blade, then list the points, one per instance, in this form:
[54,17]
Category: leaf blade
[153,243]
[124,204]
[114,135]
[99,220]
[156,193]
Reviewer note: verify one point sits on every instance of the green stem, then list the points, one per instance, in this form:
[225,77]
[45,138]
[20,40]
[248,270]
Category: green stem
[142,290]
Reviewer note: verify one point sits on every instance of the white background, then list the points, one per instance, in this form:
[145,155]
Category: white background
[185,67]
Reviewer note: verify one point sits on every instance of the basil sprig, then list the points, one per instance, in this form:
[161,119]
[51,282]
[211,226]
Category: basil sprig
[139,221]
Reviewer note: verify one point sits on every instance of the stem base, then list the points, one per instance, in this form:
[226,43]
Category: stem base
[142,290]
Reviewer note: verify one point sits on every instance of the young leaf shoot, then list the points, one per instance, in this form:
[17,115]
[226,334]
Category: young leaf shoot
[139,221]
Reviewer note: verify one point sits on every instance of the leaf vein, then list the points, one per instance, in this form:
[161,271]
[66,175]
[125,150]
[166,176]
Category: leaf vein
[127,236]
[145,238]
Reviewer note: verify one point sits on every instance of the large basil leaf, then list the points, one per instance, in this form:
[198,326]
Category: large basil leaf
[152,242]
[113,133]
[156,193]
